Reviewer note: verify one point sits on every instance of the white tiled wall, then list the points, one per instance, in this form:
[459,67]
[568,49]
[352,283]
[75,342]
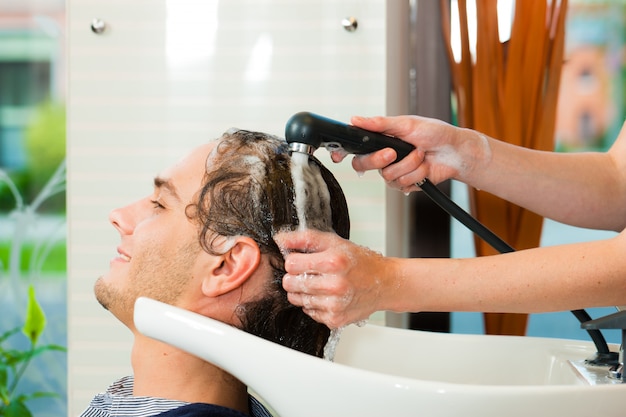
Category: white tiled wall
[168,75]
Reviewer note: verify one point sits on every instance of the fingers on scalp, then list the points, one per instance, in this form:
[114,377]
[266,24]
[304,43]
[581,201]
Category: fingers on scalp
[297,239]
[307,301]
[295,298]
[334,263]
[331,320]
[315,315]
[304,284]
[333,287]
[305,263]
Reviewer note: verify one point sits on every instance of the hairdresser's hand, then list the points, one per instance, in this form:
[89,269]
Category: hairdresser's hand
[442,151]
[336,281]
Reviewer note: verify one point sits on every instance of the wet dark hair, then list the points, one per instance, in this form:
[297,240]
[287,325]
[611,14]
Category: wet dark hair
[249,192]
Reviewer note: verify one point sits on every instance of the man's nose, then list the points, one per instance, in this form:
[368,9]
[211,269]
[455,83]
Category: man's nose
[121,219]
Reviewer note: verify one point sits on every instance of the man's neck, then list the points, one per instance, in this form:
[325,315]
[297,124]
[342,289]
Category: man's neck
[161,370]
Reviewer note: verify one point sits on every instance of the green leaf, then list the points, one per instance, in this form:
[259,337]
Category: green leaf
[35,318]
[41,394]
[13,357]
[41,349]
[4,396]
[54,347]
[8,334]
[3,376]
[16,409]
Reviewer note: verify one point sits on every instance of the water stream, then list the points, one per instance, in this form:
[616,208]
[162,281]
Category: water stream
[300,162]
[312,201]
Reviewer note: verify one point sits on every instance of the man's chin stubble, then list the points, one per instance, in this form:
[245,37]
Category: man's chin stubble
[102,293]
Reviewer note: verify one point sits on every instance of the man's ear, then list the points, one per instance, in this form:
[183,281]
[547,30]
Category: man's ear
[233,268]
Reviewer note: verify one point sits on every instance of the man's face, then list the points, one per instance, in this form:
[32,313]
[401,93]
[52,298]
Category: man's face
[159,248]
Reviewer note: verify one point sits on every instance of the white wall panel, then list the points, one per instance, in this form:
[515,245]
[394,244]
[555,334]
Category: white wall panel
[168,75]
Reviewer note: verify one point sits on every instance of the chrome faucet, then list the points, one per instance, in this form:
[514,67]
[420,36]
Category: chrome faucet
[612,321]
[617,371]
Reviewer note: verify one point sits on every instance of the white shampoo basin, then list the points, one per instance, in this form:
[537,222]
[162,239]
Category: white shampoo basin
[381,371]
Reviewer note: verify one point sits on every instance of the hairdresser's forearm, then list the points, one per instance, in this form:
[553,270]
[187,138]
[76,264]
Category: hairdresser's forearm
[545,279]
[583,189]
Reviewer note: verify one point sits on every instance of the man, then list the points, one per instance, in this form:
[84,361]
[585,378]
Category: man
[204,241]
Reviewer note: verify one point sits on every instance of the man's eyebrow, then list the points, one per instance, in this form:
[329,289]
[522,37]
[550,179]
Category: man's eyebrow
[165,184]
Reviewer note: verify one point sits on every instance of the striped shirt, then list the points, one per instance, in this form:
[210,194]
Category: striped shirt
[118,401]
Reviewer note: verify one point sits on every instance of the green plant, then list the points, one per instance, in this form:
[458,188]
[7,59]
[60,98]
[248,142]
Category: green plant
[51,260]
[13,362]
[44,141]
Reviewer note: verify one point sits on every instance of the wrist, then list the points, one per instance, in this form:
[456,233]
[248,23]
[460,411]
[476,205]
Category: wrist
[395,286]
[475,150]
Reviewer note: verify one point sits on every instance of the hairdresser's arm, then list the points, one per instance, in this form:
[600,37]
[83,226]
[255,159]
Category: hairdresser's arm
[583,189]
[341,283]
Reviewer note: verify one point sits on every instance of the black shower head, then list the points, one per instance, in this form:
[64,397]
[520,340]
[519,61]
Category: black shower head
[305,132]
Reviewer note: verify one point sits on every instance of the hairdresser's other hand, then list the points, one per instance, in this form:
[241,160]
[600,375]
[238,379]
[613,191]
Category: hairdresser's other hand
[442,151]
[335,281]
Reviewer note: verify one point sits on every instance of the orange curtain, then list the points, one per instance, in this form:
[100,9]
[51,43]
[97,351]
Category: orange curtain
[508,91]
